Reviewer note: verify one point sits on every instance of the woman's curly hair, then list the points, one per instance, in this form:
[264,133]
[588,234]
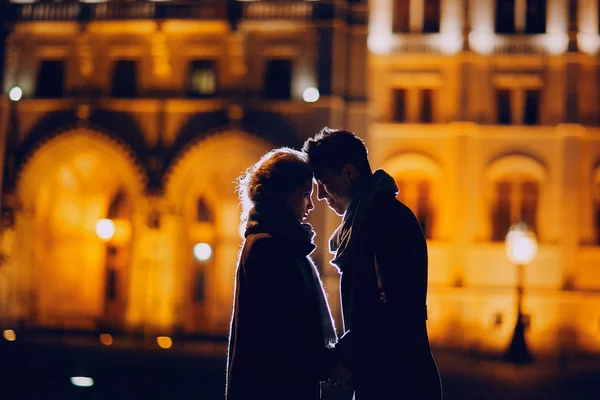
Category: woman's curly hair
[269,182]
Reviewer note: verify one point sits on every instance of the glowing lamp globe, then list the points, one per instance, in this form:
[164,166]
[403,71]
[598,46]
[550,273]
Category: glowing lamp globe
[521,244]
[202,252]
[311,95]
[15,93]
[105,229]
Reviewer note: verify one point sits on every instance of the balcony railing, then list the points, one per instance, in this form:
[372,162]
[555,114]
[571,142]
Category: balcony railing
[211,9]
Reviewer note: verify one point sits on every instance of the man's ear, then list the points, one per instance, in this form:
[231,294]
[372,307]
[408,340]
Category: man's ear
[350,172]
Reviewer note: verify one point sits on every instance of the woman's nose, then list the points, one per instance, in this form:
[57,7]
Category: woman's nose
[311,205]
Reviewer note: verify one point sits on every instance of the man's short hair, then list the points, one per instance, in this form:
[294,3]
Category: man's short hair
[334,148]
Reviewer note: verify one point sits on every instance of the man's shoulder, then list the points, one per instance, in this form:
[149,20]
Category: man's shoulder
[389,207]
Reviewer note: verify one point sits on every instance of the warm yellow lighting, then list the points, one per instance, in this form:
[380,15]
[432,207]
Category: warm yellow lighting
[10,335]
[380,42]
[15,93]
[311,95]
[450,43]
[521,244]
[202,251]
[557,43]
[93,1]
[82,381]
[164,342]
[106,339]
[589,43]
[482,43]
[105,229]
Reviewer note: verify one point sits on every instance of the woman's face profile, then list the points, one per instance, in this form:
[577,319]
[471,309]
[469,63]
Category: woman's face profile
[300,201]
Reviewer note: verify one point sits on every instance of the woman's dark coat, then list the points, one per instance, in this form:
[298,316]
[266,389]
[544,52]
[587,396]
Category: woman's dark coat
[277,342]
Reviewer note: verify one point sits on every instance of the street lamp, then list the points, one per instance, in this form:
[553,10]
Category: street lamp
[521,248]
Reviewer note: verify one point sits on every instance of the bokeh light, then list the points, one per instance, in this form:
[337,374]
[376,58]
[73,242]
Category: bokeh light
[82,381]
[105,229]
[164,342]
[202,251]
[10,335]
[106,339]
[311,95]
[15,93]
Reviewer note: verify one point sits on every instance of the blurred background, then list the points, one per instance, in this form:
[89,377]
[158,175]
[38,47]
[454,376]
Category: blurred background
[124,125]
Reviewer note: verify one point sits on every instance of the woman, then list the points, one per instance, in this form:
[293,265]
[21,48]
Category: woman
[281,328]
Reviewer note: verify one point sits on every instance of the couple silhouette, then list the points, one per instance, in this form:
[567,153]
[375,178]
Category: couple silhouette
[282,342]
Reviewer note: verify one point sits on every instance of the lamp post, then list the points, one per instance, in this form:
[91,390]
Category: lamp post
[521,248]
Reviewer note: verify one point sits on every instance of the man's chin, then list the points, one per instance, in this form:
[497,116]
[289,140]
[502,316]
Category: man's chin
[337,211]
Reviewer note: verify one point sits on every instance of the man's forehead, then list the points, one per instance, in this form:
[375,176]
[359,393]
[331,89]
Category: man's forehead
[321,174]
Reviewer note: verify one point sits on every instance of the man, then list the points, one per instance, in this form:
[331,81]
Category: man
[381,254]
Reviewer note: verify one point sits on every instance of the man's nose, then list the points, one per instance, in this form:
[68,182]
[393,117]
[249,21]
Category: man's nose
[320,191]
[311,205]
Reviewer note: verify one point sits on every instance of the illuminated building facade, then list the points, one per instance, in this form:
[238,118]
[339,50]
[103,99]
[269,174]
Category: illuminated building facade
[144,113]
[134,121]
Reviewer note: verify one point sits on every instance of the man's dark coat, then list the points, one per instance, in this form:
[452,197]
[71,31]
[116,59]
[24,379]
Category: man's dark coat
[386,345]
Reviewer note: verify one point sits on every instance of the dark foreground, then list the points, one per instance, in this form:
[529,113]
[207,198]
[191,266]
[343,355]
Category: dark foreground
[43,370]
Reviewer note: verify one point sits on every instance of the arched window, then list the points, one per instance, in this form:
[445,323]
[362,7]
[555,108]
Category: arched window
[515,199]
[415,193]
[203,211]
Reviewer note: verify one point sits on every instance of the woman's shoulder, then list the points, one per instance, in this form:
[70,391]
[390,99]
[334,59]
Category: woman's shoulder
[258,246]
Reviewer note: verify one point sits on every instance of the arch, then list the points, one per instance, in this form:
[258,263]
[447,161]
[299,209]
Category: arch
[47,157]
[508,168]
[516,164]
[121,127]
[268,126]
[209,168]
[202,159]
[413,162]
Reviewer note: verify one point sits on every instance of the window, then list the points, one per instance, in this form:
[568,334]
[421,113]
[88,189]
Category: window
[50,80]
[426,105]
[532,107]
[516,200]
[199,285]
[416,195]
[573,15]
[503,107]
[401,16]
[202,78]
[203,212]
[505,16]
[278,79]
[400,105]
[111,285]
[432,16]
[535,17]
[529,199]
[501,213]
[124,79]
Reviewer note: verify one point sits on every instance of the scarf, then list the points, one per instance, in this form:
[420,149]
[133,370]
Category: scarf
[346,238]
[299,236]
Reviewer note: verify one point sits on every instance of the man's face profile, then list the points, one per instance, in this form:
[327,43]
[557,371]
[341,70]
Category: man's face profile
[335,189]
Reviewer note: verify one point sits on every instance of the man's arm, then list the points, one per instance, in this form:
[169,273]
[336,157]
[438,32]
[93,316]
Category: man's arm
[401,254]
